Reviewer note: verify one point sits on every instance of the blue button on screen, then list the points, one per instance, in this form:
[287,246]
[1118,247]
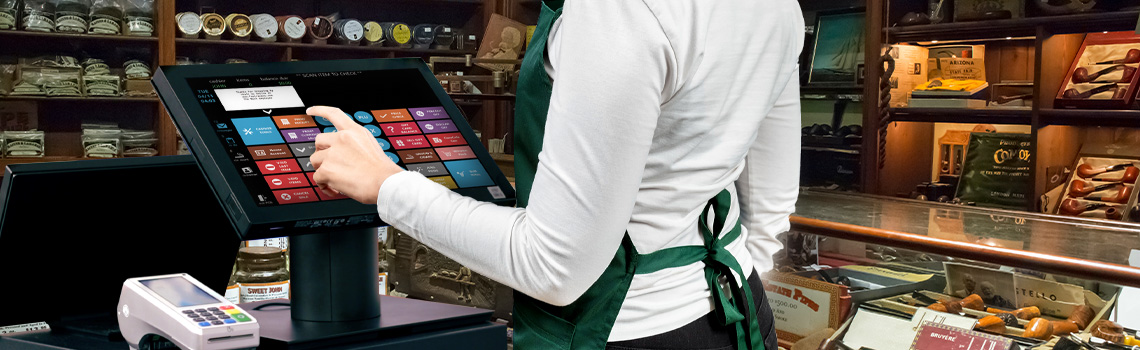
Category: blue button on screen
[329,129]
[362,117]
[375,130]
[322,121]
[393,157]
[384,145]
[257,131]
[469,173]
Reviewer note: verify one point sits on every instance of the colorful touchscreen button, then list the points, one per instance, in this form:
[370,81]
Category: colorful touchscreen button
[257,131]
[437,126]
[294,121]
[418,156]
[279,166]
[453,153]
[446,181]
[362,117]
[269,152]
[300,135]
[469,173]
[397,129]
[277,182]
[408,142]
[296,195]
[428,169]
[391,115]
[451,139]
[303,149]
[428,113]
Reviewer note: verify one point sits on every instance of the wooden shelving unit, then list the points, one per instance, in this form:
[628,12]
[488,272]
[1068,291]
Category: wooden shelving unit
[1039,49]
[80,99]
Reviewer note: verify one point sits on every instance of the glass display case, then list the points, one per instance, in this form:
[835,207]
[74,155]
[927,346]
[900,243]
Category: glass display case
[869,271]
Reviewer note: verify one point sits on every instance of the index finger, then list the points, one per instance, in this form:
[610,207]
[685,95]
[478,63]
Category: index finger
[337,117]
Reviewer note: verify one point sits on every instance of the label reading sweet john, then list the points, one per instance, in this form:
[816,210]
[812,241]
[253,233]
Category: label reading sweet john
[70,22]
[37,21]
[251,292]
[104,24]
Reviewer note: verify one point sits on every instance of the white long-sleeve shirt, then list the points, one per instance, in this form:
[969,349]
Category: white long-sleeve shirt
[657,106]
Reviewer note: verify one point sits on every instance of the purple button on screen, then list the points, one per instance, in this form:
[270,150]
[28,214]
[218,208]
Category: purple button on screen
[428,113]
[300,135]
[437,126]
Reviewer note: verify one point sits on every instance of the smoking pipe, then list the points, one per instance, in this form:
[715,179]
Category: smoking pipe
[1081,188]
[1075,95]
[1133,56]
[1081,75]
[1073,207]
[1129,176]
[1121,196]
[1087,171]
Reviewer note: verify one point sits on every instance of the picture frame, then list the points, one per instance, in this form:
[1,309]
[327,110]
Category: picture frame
[837,50]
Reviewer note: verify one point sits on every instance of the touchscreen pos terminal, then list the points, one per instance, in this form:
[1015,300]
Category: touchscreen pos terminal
[247,128]
[182,310]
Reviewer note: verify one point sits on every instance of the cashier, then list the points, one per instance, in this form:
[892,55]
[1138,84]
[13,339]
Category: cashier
[656,158]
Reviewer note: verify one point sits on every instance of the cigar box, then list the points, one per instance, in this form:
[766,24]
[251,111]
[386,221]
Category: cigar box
[1103,74]
[1101,188]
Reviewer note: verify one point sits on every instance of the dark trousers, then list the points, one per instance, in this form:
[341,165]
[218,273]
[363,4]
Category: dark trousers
[705,334]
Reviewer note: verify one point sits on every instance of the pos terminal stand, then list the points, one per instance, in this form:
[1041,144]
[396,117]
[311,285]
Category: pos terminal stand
[247,128]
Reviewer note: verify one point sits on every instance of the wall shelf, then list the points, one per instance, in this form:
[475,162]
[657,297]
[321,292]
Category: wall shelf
[319,47]
[1021,27]
[26,35]
[1087,117]
[79,99]
[962,115]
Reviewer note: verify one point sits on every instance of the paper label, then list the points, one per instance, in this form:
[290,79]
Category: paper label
[189,23]
[71,22]
[24,328]
[104,26]
[373,31]
[279,242]
[924,315]
[401,33]
[251,292]
[798,310]
[384,283]
[933,336]
[294,27]
[233,294]
[1053,298]
[36,20]
[905,276]
[874,330]
[7,18]
[265,26]
[353,30]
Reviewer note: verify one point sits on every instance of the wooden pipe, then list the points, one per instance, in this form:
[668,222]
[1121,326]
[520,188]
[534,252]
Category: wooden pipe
[1108,330]
[1132,56]
[973,302]
[1129,176]
[992,324]
[948,306]
[1077,95]
[1025,313]
[1081,75]
[1121,196]
[1086,170]
[1081,188]
[1063,328]
[1074,207]
[1038,328]
[1082,316]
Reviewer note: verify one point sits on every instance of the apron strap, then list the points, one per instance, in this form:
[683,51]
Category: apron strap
[736,309]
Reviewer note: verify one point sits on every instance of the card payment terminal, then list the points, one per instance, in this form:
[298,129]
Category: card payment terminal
[183,311]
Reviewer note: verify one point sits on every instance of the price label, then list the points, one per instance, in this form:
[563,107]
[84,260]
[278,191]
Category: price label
[24,328]
[933,336]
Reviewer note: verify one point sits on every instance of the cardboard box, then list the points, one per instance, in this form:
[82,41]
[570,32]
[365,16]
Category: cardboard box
[1103,75]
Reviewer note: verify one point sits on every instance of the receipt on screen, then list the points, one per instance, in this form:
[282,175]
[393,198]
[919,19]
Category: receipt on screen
[240,99]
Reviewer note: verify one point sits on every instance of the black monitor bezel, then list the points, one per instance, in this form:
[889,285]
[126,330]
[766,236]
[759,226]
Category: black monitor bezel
[253,221]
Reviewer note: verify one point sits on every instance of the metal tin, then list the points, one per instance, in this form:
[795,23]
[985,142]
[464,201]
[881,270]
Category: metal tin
[291,28]
[423,34]
[396,33]
[373,33]
[189,24]
[444,36]
[264,27]
[348,31]
[213,24]
[239,25]
[320,28]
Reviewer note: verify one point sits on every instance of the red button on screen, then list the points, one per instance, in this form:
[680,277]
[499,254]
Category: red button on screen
[278,166]
[297,195]
[407,142]
[450,139]
[397,129]
[277,182]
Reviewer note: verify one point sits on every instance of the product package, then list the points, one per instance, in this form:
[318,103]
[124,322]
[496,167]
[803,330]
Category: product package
[1104,73]
[7,77]
[101,140]
[137,69]
[137,143]
[49,75]
[1101,187]
[139,17]
[106,17]
[98,79]
[8,14]
[38,16]
[24,144]
[71,15]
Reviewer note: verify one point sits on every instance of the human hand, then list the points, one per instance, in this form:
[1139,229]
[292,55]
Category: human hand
[349,161]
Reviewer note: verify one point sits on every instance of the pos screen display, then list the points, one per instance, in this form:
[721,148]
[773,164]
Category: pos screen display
[246,125]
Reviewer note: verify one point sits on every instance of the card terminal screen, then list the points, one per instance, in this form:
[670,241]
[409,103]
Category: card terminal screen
[261,122]
[179,292]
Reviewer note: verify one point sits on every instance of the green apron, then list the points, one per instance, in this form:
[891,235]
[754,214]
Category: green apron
[586,323]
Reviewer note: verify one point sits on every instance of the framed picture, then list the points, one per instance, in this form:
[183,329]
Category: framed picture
[837,51]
